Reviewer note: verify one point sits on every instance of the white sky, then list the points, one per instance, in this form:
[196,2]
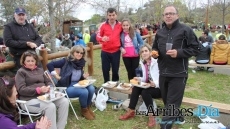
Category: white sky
[87,11]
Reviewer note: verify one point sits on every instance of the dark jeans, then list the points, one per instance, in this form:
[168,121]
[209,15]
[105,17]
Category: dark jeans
[107,60]
[147,95]
[131,63]
[172,92]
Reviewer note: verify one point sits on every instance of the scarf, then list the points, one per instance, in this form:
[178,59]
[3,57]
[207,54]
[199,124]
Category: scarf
[77,64]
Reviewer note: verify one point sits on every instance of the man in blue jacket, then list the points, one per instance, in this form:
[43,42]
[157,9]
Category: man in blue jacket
[20,36]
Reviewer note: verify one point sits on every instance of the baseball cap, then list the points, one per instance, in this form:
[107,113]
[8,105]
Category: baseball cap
[20,10]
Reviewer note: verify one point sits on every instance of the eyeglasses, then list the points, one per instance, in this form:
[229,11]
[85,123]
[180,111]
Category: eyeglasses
[80,52]
[6,82]
[169,14]
[30,52]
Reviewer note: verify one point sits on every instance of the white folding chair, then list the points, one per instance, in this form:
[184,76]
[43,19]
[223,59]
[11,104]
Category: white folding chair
[63,90]
[21,111]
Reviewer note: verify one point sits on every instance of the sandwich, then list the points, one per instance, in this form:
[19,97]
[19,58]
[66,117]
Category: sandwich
[83,82]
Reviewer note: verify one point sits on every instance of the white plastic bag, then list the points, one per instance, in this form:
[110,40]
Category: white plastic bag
[102,97]
[209,123]
[144,108]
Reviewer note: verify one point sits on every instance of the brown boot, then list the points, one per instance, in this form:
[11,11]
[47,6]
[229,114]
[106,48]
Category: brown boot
[152,121]
[91,112]
[128,115]
[86,114]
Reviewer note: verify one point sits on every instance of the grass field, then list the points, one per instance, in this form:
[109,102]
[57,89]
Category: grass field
[202,85]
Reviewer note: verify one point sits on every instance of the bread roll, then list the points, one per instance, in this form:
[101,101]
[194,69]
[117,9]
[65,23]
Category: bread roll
[42,97]
[133,81]
[83,82]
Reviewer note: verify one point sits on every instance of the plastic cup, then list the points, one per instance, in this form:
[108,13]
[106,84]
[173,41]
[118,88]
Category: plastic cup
[168,46]
[42,46]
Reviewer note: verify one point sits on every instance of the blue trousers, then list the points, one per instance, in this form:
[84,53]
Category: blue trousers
[110,59]
[85,94]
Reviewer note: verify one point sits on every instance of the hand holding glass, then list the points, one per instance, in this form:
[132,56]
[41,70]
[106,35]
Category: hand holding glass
[168,46]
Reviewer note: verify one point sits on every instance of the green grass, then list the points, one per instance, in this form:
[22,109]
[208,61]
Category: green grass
[200,85]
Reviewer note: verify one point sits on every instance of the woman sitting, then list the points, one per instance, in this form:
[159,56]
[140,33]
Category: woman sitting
[31,83]
[220,54]
[150,74]
[8,111]
[71,73]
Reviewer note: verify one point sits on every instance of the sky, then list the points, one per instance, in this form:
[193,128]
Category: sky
[85,11]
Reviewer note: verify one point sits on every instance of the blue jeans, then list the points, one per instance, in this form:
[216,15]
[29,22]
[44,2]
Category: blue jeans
[85,94]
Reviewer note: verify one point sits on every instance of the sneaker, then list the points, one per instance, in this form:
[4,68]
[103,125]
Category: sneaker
[180,120]
[211,69]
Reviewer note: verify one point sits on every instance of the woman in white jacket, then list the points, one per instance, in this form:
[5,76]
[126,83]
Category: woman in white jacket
[150,75]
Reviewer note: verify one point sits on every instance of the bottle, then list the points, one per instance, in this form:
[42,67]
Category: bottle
[52,93]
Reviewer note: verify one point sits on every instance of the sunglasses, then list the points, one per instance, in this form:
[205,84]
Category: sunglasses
[30,52]
[80,52]
[6,82]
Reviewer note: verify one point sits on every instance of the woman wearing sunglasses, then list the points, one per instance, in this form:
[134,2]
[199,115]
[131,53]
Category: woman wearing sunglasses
[8,111]
[150,74]
[71,72]
[31,83]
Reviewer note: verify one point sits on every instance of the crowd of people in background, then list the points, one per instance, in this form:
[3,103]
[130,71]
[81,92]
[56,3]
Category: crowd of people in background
[166,71]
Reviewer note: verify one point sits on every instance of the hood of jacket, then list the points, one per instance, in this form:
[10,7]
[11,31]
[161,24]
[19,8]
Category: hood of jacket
[221,44]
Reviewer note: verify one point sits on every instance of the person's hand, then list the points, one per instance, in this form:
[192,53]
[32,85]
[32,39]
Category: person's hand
[44,123]
[85,75]
[123,51]
[172,53]
[154,54]
[32,45]
[105,38]
[45,89]
[152,84]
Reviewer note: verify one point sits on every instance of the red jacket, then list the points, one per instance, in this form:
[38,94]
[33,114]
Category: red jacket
[113,44]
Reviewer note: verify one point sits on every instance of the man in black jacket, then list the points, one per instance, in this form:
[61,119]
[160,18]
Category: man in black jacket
[173,63]
[20,36]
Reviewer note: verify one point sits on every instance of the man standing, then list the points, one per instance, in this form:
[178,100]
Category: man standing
[86,36]
[173,63]
[20,36]
[109,36]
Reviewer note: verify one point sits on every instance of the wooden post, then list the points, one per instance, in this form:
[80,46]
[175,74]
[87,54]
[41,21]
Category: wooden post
[150,38]
[90,58]
[44,55]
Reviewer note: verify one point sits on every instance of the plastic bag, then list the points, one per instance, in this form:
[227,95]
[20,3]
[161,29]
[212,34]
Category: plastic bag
[209,123]
[102,97]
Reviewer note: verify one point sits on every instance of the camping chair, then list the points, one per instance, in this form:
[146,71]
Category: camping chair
[19,104]
[63,90]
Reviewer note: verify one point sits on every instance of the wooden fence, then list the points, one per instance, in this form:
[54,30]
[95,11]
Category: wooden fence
[45,57]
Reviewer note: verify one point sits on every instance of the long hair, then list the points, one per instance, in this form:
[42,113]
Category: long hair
[76,48]
[131,30]
[6,91]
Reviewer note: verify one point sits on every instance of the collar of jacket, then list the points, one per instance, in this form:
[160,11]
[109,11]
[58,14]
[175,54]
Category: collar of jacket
[107,21]
[175,23]
[19,24]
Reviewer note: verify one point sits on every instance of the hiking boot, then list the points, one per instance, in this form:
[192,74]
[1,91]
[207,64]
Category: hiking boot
[180,120]
[86,114]
[128,115]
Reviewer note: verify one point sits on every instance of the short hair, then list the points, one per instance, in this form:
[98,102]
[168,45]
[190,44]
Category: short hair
[75,48]
[111,10]
[6,91]
[222,37]
[174,7]
[29,53]
[206,32]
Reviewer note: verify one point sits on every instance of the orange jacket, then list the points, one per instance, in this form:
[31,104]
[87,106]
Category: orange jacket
[220,52]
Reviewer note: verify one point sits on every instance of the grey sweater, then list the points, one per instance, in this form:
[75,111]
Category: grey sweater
[28,80]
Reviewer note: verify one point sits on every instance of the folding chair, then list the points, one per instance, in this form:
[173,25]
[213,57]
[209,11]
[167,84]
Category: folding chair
[63,90]
[21,112]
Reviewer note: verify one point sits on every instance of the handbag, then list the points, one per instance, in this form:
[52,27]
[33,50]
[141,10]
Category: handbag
[102,97]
